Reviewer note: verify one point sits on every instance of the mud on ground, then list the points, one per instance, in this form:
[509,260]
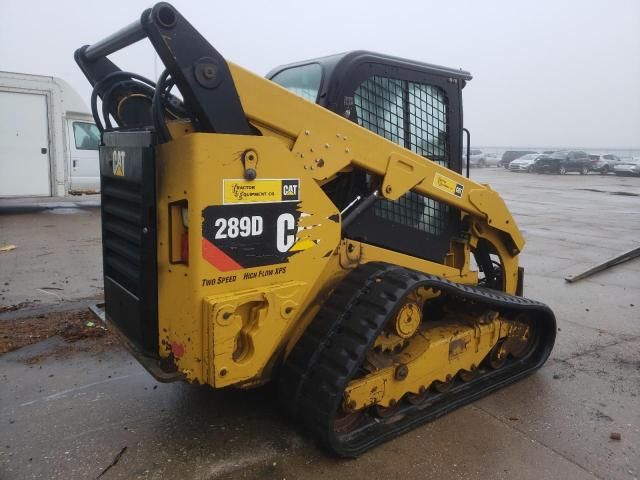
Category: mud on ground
[70,325]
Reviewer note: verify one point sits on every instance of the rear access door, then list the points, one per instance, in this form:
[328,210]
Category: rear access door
[24,145]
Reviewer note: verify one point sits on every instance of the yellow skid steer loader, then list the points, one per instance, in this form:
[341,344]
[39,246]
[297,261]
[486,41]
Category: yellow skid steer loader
[313,229]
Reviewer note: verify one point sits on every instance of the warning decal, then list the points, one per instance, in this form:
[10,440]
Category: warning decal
[448,185]
[240,191]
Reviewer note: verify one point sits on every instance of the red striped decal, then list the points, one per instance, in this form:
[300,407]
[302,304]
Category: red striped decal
[217,257]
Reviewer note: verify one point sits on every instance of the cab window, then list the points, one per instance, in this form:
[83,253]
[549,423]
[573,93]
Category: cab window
[86,136]
[413,115]
[304,80]
[410,114]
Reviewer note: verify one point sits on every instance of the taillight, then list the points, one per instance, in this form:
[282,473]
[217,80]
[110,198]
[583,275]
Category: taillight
[184,238]
[179,232]
[184,247]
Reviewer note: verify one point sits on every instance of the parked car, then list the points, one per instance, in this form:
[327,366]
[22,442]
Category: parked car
[480,159]
[491,160]
[511,155]
[563,162]
[473,157]
[525,163]
[628,167]
[604,163]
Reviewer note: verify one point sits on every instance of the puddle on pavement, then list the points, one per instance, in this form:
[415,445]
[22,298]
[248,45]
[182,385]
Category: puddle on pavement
[625,194]
[66,211]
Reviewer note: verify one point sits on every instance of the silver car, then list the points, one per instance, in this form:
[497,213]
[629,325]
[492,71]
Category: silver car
[604,163]
[628,167]
[491,160]
[480,159]
[525,163]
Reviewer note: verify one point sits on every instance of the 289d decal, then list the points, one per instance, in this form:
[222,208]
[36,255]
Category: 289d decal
[233,227]
[246,236]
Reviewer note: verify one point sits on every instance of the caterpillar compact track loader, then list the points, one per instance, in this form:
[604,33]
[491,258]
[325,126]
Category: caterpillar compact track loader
[313,229]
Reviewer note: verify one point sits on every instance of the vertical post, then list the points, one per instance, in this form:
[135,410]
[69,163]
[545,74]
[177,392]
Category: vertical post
[468,148]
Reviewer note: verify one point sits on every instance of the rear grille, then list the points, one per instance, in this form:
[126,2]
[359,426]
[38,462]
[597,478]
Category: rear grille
[129,237]
[122,226]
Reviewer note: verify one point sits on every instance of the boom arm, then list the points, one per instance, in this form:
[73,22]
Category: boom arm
[327,143]
[197,69]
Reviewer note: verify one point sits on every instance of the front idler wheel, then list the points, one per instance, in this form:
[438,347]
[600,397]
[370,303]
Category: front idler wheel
[497,356]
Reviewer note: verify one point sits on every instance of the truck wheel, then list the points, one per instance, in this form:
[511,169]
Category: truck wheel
[562,171]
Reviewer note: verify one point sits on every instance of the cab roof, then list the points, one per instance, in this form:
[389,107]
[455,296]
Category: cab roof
[336,64]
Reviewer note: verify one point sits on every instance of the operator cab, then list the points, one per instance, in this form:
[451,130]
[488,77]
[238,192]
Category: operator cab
[417,106]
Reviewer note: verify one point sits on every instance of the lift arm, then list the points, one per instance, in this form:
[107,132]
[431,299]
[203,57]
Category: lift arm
[327,143]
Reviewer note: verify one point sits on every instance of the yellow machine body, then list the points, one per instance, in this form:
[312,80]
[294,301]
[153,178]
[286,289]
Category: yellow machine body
[315,238]
[223,325]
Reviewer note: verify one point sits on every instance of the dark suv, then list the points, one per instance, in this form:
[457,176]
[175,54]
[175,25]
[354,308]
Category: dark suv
[510,155]
[564,161]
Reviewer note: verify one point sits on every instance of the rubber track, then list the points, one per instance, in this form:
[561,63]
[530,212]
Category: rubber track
[329,354]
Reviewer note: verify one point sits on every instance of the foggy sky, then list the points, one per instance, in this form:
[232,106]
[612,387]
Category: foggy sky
[554,73]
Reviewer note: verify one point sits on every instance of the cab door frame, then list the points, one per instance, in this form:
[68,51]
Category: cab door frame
[83,164]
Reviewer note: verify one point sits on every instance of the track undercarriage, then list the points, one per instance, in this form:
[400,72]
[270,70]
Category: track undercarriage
[394,348]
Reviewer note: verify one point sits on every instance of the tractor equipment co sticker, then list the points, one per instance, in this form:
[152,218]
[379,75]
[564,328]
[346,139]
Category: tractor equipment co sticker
[240,191]
[448,185]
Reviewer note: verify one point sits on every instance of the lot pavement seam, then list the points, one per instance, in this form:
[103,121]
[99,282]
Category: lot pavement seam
[33,310]
[232,465]
[524,434]
[596,348]
[64,393]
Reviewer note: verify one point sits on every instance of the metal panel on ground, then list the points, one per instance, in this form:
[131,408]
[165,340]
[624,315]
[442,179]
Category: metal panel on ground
[24,145]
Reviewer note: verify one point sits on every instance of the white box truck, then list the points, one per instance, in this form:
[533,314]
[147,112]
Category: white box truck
[48,140]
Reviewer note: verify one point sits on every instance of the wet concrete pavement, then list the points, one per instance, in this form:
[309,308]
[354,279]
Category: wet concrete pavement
[74,410]
[57,260]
